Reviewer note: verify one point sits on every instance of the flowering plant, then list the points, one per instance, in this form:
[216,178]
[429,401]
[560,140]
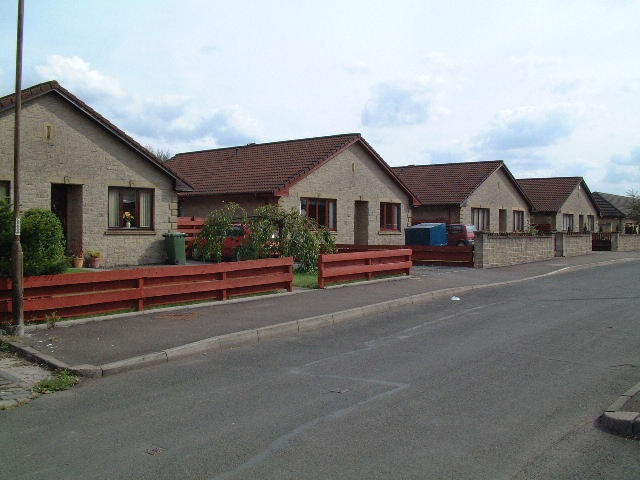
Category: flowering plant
[128,217]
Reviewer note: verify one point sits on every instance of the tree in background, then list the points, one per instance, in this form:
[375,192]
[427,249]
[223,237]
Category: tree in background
[635,205]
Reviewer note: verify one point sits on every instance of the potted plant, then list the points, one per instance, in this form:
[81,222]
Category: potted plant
[128,219]
[95,258]
[78,259]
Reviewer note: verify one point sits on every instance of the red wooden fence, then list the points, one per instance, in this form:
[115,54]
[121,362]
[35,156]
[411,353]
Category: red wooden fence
[191,226]
[342,267]
[423,254]
[86,294]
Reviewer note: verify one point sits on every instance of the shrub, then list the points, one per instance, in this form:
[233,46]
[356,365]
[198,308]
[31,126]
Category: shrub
[43,243]
[6,237]
[209,243]
[290,235]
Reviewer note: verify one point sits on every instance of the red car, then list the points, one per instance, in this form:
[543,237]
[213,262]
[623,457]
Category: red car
[461,235]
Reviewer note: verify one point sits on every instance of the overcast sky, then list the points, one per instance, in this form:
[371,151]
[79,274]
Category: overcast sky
[550,87]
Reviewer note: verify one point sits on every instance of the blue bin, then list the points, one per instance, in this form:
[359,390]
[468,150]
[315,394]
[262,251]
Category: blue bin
[432,234]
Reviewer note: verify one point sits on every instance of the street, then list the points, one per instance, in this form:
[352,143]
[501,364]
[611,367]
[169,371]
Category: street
[504,383]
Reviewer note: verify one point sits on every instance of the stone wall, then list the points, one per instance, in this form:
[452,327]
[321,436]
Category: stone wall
[572,245]
[625,243]
[359,185]
[499,251]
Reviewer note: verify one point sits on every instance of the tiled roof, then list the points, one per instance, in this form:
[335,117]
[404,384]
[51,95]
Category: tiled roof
[448,183]
[52,87]
[266,168]
[613,205]
[549,194]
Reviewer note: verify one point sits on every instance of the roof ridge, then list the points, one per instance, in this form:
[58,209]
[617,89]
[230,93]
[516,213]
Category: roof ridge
[277,142]
[449,163]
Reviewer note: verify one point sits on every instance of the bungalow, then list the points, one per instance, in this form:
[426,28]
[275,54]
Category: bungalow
[615,213]
[339,181]
[481,193]
[89,173]
[559,201]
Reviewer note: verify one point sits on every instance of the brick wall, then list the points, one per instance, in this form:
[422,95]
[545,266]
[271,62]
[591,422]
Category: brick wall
[351,177]
[86,159]
[572,245]
[499,251]
[625,243]
[496,193]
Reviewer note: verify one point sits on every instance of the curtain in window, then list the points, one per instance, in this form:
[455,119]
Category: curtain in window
[144,210]
[114,208]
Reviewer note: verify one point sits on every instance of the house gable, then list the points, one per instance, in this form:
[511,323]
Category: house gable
[71,160]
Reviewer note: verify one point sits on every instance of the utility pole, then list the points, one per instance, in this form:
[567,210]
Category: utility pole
[17,273]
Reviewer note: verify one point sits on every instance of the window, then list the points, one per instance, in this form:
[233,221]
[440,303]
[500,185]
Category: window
[322,210]
[480,218]
[138,202]
[518,221]
[4,190]
[390,216]
[567,222]
[591,223]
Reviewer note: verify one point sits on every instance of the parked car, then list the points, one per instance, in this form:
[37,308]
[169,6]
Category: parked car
[238,236]
[460,234]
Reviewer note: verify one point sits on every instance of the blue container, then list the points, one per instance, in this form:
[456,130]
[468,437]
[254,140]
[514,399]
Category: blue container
[432,234]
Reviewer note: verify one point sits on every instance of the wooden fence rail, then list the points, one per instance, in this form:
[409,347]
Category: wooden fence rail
[86,294]
[343,267]
[423,254]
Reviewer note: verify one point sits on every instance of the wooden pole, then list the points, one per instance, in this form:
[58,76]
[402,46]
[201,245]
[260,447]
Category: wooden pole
[17,273]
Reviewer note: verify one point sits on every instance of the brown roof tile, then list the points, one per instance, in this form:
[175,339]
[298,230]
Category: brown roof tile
[448,183]
[549,194]
[267,168]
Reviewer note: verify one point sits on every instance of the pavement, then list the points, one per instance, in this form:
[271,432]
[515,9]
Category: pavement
[108,345]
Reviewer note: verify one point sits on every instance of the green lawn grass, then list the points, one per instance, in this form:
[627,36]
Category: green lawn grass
[305,279]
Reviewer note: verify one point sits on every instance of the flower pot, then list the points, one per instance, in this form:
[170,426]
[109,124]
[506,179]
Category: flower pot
[78,262]
[96,262]
[127,224]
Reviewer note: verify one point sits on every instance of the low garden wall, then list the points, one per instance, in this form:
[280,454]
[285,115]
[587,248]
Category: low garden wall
[625,243]
[573,245]
[499,251]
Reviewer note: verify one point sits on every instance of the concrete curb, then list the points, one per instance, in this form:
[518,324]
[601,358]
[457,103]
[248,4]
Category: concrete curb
[617,420]
[255,336]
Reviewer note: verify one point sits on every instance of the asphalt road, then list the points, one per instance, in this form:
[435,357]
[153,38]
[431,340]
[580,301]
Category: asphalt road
[506,383]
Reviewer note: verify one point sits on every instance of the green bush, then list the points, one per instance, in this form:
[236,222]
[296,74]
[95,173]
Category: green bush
[43,243]
[209,243]
[6,238]
[288,234]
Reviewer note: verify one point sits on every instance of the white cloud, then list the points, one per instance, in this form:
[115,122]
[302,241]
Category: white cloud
[77,76]
[394,105]
[525,128]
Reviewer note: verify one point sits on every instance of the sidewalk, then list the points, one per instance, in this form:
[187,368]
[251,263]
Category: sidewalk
[108,345]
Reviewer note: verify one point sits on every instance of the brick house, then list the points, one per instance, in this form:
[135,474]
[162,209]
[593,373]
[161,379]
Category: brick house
[562,204]
[484,194]
[615,213]
[340,181]
[89,172]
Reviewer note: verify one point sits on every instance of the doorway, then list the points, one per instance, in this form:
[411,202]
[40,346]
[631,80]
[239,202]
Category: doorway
[66,204]
[361,223]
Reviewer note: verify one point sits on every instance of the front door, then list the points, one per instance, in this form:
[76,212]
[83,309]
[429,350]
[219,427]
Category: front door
[59,204]
[502,221]
[361,223]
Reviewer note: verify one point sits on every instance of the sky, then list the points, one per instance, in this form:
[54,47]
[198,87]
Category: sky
[551,87]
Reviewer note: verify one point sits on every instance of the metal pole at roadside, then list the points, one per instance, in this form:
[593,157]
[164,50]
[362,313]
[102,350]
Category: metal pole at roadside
[17,273]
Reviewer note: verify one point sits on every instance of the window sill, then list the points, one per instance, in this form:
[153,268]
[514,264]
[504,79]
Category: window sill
[130,231]
[389,232]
